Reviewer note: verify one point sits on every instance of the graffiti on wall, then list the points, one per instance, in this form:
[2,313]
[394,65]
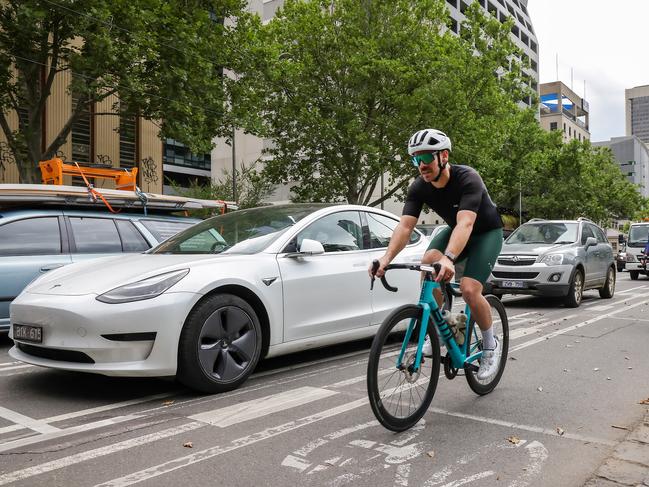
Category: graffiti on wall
[6,156]
[148,170]
[104,159]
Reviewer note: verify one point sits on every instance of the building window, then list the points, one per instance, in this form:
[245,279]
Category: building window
[178,154]
[533,46]
[127,141]
[81,133]
[454,26]
[553,125]
[453,3]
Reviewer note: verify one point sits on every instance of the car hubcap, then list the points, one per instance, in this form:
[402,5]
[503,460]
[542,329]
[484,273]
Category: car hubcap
[227,343]
[578,288]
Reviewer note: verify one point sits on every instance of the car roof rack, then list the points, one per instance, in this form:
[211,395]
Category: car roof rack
[48,195]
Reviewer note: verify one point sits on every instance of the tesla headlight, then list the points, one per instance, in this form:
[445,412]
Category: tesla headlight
[551,259]
[144,289]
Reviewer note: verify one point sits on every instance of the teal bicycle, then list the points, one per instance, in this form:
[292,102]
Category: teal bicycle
[401,381]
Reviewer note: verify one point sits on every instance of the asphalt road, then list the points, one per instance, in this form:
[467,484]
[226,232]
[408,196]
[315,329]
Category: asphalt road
[569,394]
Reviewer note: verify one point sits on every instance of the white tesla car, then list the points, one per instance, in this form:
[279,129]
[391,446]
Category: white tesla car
[206,304]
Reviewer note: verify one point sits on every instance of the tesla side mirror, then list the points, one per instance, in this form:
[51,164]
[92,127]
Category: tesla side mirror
[311,247]
[590,241]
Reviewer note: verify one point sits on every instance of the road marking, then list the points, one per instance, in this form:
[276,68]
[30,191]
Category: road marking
[602,307]
[98,409]
[255,408]
[245,441]
[96,453]
[631,289]
[533,429]
[34,424]
[573,327]
[10,445]
[519,332]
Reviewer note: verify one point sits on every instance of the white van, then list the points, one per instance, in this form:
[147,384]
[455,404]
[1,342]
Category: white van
[635,244]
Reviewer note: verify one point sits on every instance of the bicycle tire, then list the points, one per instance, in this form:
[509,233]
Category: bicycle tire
[383,356]
[485,387]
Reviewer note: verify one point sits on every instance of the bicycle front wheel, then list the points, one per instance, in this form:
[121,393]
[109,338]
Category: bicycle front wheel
[400,394]
[501,331]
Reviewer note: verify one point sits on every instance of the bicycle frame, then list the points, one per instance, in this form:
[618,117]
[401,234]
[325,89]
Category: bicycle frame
[458,354]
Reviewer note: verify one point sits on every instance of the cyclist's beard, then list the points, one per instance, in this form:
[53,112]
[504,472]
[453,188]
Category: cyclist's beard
[429,172]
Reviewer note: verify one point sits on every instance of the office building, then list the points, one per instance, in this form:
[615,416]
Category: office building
[637,112]
[632,155]
[562,109]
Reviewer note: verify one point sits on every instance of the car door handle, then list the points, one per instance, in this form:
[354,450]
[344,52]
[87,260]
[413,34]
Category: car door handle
[49,267]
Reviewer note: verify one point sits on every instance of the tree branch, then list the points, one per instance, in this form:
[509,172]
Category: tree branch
[60,139]
[387,195]
[11,140]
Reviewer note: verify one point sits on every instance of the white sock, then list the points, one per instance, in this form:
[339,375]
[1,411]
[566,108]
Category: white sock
[488,342]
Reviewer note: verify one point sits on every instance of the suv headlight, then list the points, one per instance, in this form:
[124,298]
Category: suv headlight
[144,289]
[551,259]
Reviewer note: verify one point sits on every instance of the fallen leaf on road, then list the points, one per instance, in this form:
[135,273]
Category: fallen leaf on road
[596,369]
[577,341]
[540,389]
[514,439]
[566,370]
[619,427]
[644,401]
[629,368]
[168,403]
[608,378]
[188,444]
[568,346]
[627,358]
[560,431]
[513,358]
[431,453]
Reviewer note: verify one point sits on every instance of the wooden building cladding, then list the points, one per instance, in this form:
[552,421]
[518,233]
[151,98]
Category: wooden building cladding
[100,139]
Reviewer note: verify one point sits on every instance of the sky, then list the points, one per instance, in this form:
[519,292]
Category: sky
[604,43]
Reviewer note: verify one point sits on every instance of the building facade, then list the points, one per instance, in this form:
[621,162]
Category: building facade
[632,155]
[562,109]
[637,112]
[248,149]
[109,140]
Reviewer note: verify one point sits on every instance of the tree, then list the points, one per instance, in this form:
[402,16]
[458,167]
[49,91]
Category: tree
[252,189]
[163,58]
[342,84]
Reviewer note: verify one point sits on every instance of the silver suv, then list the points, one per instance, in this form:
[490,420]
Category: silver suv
[560,258]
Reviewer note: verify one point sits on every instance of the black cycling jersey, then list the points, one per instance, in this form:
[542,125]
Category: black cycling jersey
[464,191]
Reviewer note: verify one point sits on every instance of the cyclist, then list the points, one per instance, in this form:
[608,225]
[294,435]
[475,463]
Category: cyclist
[458,194]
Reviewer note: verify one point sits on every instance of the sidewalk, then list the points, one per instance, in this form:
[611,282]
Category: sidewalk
[629,463]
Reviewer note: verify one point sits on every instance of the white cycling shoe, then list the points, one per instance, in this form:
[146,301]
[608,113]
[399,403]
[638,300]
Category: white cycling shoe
[490,361]
[427,350]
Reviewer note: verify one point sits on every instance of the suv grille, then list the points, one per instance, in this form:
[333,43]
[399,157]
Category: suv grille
[514,275]
[517,260]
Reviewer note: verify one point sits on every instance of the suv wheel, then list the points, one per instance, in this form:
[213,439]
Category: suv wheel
[608,289]
[634,275]
[576,291]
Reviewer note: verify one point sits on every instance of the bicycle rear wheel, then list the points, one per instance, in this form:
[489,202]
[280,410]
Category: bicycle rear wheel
[400,396]
[501,331]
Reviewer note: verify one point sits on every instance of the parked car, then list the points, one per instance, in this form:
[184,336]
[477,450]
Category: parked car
[561,258]
[35,241]
[209,302]
[636,263]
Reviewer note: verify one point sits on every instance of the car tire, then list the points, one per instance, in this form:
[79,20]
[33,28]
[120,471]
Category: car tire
[634,275]
[220,344]
[576,291]
[607,291]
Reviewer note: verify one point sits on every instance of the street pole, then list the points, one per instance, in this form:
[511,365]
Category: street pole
[234,168]
[520,202]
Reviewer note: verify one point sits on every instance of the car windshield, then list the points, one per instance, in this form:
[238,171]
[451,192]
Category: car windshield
[638,234]
[240,232]
[547,233]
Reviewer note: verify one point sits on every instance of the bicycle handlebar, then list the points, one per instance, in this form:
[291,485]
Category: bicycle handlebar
[413,267]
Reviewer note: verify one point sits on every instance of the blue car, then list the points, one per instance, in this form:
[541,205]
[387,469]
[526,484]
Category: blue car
[34,241]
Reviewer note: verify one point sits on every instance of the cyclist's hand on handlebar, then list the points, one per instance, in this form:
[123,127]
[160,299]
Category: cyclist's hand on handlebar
[447,270]
[380,272]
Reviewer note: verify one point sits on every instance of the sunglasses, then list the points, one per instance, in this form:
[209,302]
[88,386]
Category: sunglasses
[423,158]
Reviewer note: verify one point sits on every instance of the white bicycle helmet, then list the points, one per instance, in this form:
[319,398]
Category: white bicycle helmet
[428,139]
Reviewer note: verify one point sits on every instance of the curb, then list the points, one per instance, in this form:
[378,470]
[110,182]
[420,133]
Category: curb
[628,465]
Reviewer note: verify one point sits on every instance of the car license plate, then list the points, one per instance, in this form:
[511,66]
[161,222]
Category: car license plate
[513,284]
[28,333]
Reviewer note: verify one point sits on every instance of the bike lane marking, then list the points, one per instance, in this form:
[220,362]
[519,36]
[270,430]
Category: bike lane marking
[27,422]
[290,426]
